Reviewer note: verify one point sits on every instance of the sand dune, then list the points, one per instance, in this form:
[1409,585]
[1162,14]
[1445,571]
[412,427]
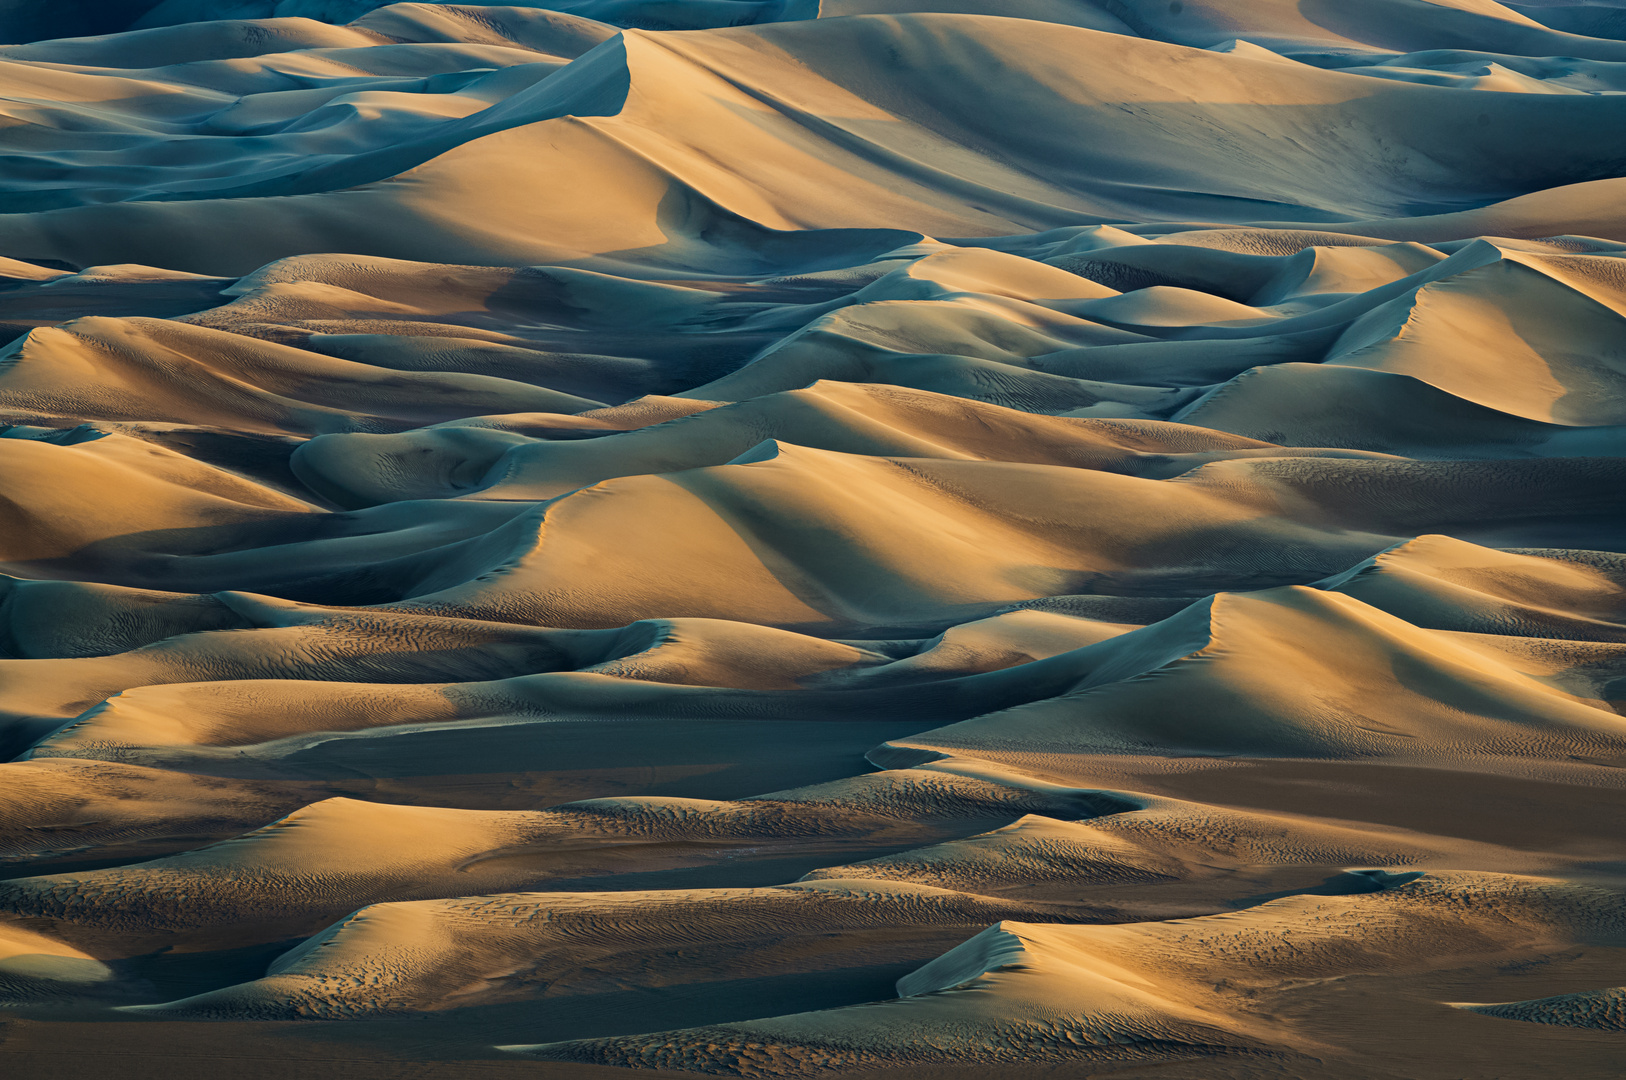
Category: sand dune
[774,538]
[746,521]
[323,978]
[233,383]
[33,967]
[854,418]
[1135,992]
[1166,841]
[1588,1009]
[306,869]
[652,175]
[1246,658]
[1441,584]
[1048,664]
[729,920]
[67,808]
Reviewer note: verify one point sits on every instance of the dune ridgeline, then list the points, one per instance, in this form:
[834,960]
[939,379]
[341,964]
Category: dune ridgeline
[758,538]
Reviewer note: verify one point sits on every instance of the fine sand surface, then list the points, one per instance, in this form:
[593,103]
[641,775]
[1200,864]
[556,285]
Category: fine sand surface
[928,539]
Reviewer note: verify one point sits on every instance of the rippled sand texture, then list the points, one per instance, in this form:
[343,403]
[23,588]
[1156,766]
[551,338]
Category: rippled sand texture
[1030,539]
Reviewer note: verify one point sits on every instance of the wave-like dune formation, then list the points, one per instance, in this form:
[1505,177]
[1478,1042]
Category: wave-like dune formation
[931,539]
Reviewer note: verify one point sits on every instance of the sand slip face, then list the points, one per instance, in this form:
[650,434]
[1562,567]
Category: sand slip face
[813,539]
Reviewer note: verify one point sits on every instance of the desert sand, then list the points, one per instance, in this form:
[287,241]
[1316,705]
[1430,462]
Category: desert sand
[926,539]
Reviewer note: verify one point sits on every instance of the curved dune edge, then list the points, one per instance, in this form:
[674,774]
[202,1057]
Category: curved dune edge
[1599,1010]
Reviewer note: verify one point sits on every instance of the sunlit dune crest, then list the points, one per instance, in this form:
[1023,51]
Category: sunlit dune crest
[813,538]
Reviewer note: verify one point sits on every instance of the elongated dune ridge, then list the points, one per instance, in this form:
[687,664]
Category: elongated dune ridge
[932,539]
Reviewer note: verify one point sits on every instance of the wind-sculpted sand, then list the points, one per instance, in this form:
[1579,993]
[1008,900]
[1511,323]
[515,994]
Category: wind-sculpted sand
[779,539]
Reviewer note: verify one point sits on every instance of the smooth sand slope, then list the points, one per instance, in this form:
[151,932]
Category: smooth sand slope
[790,539]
